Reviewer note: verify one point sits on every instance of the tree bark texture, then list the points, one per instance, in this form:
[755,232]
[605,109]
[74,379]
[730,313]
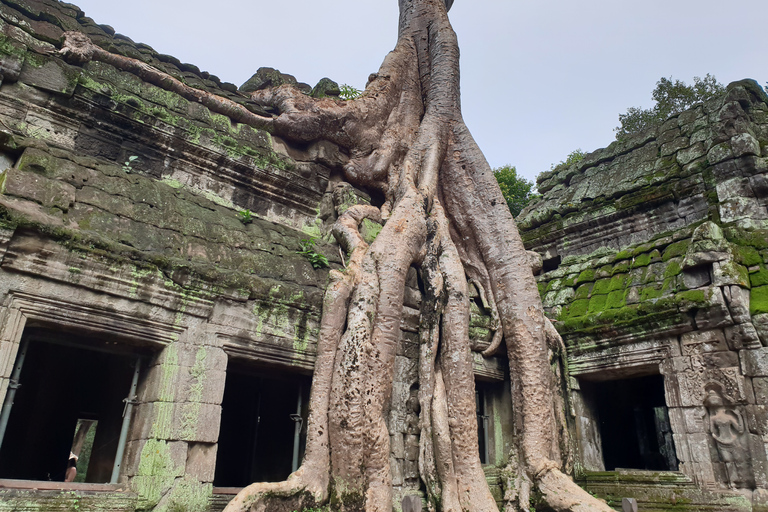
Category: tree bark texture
[443,213]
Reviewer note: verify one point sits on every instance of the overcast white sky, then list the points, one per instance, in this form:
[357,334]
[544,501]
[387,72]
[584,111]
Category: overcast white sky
[540,78]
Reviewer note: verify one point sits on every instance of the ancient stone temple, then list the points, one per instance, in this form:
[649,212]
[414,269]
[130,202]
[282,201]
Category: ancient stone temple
[655,253]
[162,269]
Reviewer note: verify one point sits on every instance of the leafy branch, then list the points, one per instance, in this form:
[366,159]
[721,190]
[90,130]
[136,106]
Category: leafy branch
[307,249]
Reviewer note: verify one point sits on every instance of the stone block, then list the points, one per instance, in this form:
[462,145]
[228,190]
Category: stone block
[161,384]
[701,472]
[679,364]
[676,419]
[760,387]
[410,469]
[757,418]
[745,144]
[201,461]
[397,446]
[700,448]
[761,327]
[717,315]
[672,391]
[742,336]
[754,362]
[695,419]
[738,303]
[411,503]
[685,156]
[760,497]
[757,448]
[628,505]
[412,447]
[196,422]
[152,457]
[682,448]
[697,277]
[696,342]
[396,467]
[720,359]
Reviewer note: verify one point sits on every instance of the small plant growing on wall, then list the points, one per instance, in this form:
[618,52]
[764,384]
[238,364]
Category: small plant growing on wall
[348,92]
[245,216]
[307,248]
[128,165]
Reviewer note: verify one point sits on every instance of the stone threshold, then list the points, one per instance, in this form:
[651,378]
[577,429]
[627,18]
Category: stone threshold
[44,485]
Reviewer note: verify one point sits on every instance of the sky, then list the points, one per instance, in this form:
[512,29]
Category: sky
[539,78]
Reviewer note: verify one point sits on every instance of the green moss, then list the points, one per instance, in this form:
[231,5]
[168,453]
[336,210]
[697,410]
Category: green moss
[623,255]
[746,255]
[650,292]
[576,308]
[570,281]
[542,288]
[757,238]
[602,287]
[616,299]
[582,292]
[642,260]
[621,267]
[676,249]
[695,297]
[673,268]
[188,495]
[758,300]
[597,303]
[618,282]
[759,278]
[586,276]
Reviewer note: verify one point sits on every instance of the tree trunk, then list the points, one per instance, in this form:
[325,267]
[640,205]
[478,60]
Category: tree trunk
[444,214]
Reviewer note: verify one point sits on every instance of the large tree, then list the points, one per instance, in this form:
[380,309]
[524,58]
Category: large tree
[444,214]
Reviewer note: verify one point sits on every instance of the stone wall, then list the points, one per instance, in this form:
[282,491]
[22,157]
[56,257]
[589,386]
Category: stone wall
[133,220]
[655,254]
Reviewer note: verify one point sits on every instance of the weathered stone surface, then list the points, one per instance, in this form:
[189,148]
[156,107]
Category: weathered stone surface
[754,362]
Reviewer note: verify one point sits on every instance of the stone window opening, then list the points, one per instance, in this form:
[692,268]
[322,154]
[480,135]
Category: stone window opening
[633,423]
[551,264]
[263,426]
[66,420]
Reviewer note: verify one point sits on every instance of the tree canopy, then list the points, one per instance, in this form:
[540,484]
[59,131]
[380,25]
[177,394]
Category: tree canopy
[517,191]
[671,97]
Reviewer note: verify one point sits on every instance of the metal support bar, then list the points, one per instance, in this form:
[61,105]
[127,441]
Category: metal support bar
[12,387]
[130,401]
[296,433]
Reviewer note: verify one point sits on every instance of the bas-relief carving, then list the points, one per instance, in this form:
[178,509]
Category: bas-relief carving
[728,429]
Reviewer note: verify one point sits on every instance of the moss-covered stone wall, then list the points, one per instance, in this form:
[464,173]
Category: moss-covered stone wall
[655,252]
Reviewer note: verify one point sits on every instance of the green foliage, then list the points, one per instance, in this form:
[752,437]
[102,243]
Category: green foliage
[308,250]
[574,157]
[347,92]
[671,97]
[517,191]
[128,165]
[245,216]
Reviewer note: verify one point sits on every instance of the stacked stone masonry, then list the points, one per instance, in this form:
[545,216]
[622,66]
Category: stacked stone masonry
[655,252]
[137,222]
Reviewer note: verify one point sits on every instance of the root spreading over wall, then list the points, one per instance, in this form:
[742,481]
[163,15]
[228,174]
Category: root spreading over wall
[443,213]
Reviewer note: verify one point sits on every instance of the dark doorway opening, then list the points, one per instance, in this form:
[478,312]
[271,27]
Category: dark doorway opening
[70,398]
[634,423]
[260,420]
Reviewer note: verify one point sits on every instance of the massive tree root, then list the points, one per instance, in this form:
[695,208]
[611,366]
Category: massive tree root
[443,213]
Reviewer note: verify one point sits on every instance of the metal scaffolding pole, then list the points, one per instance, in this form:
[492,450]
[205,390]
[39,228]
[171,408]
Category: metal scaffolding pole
[12,387]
